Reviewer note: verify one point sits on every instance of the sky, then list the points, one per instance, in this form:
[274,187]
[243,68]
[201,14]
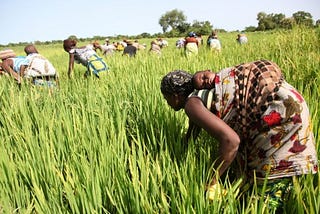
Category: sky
[47,20]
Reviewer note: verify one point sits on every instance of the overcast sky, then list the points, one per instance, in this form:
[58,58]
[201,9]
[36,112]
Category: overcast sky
[46,20]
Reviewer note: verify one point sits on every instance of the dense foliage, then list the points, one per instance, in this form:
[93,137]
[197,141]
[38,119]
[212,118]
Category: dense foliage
[114,146]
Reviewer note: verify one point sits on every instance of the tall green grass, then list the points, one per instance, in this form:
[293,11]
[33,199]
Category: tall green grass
[114,146]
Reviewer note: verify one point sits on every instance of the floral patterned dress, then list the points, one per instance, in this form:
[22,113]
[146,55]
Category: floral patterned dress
[270,116]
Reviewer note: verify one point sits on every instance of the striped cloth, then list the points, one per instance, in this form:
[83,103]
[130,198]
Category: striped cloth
[18,62]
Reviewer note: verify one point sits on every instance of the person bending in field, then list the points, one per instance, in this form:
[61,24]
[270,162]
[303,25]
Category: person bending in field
[12,64]
[191,45]
[242,38]
[155,48]
[33,67]
[256,116]
[86,56]
[130,50]
[106,49]
[40,70]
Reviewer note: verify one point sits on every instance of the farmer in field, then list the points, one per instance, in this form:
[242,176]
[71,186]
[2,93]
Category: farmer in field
[191,44]
[106,49]
[139,46]
[214,44]
[242,38]
[86,56]
[33,67]
[40,70]
[130,50]
[255,115]
[162,43]
[180,43]
[212,35]
[12,64]
[155,48]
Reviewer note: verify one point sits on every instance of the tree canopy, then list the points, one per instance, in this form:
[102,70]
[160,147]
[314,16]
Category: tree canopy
[303,18]
[276,21]
[175,21]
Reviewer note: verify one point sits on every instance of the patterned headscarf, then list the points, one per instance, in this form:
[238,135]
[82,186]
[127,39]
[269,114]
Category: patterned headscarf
[177,82]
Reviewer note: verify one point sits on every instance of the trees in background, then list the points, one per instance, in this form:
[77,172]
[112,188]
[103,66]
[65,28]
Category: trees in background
[303,18]
[172,19]
[173,24]
[277,21]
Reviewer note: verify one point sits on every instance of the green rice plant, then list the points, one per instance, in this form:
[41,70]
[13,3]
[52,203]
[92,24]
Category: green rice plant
[113,145]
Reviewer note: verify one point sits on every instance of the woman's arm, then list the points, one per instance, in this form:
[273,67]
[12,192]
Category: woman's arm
[228,139]
[71,64]
[7,66]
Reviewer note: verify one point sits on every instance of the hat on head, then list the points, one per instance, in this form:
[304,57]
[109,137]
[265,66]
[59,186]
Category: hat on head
[7,54]
[192,34]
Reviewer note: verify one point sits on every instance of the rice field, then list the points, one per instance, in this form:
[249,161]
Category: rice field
[113,145]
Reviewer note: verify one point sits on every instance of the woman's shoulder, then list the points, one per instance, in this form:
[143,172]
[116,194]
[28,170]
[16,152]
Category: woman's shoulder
[206,96]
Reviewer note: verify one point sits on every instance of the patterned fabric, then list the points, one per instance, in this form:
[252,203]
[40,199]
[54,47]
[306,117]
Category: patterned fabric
[96,65]
[82,55]
[269,115]
[88,57]
[256,84]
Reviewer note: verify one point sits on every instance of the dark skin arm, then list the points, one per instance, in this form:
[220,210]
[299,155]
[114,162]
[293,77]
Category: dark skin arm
[228,139]
[71,64]
[7,66]
[193,131]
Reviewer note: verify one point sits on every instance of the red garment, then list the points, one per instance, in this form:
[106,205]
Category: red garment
[191,40]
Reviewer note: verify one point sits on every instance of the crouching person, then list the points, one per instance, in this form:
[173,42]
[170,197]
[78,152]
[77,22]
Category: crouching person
[13,65]
[40,70]
[86,56]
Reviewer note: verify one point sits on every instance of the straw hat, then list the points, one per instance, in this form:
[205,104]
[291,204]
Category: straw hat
[7,54]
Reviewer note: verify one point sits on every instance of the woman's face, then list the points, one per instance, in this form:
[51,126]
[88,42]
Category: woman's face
[204,80]
[176,102]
